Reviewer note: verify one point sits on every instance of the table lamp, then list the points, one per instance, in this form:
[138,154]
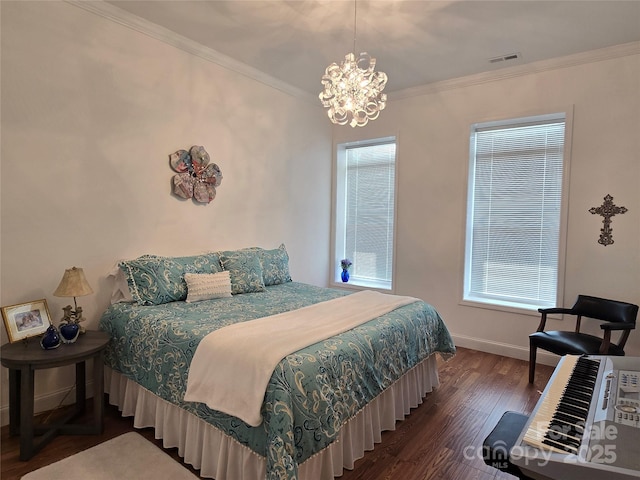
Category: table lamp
[73,284]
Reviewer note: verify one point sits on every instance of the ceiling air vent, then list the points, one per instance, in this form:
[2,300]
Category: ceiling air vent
[504,58]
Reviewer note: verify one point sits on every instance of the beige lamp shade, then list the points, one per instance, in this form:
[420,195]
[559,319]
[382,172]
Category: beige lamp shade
[73,284]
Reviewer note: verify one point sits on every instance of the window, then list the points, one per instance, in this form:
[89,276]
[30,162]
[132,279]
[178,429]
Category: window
[515,233]
[364,211]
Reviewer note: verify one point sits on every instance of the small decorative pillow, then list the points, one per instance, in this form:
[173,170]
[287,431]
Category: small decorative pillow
[275,265]
[245,270]
[206,286]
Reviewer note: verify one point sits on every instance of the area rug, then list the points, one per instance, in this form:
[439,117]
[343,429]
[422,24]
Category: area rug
[129,456]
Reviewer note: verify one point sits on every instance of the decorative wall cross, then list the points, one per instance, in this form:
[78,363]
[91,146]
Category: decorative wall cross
[607,210]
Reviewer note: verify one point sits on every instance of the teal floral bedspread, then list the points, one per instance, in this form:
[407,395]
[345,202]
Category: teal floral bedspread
[312,392]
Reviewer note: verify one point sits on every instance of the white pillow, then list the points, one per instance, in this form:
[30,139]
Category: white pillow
[120,288]
[205,286]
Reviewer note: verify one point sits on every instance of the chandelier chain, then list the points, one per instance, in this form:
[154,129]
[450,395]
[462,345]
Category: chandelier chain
[355,24]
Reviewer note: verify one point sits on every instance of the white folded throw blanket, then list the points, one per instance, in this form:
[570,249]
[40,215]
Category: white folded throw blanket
[232,366]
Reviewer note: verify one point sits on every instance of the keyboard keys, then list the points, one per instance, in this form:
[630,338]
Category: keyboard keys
[559,422]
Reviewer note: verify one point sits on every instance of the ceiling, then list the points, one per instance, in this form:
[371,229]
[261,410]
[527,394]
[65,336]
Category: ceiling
[415,42]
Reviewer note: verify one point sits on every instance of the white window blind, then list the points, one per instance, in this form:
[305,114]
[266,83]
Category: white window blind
[365,218]
[514,214]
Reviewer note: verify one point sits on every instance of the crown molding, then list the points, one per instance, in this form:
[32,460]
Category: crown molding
[616,51]
[122,17]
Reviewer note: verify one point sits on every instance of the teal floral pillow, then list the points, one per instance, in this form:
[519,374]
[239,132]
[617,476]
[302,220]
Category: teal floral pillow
[206,263]
[275,265]
[244,269]
[155,280]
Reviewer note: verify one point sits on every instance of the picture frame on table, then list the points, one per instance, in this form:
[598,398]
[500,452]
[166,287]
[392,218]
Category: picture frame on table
[25,320]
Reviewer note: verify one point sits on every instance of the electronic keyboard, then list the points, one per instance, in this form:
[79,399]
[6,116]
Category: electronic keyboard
[586,425]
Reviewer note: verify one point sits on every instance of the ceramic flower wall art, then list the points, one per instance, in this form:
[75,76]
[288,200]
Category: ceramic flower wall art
[196,177]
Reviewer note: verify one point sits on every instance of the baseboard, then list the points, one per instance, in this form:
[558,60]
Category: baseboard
[504,349]
[49,401]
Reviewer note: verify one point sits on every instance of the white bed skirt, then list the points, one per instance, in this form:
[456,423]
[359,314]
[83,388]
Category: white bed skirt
[219,456]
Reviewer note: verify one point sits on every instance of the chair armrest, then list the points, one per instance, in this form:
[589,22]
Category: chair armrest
[617,326]
[555,310]
[546,311]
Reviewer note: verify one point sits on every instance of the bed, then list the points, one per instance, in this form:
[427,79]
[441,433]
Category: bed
[324,404]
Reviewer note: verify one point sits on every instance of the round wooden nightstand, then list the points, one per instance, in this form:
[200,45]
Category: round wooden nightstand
[23,359]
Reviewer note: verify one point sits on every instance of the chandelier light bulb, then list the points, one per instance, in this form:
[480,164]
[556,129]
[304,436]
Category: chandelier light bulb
[353,90]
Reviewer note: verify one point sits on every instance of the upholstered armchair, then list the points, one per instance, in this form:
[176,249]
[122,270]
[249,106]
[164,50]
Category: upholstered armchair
[617,316]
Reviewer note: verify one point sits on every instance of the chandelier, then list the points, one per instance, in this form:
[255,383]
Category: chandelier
[353,90]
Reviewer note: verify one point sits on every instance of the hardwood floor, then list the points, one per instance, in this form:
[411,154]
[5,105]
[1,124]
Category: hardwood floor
[439,440]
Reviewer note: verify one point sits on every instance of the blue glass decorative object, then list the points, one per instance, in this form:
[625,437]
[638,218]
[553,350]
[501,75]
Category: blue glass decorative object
[69,332]
[345,276]
[50,339]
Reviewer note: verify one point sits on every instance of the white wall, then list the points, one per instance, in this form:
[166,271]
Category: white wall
[91,111]
[433,151]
